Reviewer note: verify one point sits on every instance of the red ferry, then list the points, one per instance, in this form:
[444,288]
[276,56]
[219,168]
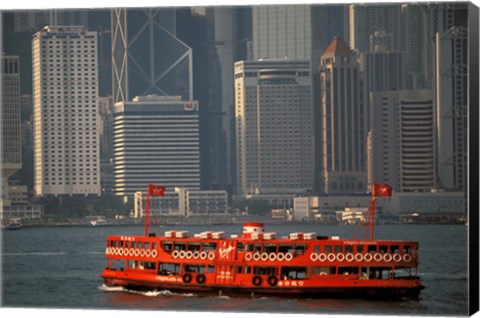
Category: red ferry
[261,263]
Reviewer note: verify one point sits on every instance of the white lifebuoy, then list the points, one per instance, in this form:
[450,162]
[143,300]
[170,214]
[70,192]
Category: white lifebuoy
[387,257]
[248,256]
[368,257]
[256,256]
[323,273]
[281,256]
[107,251]
[331,257]
[397,258]
[359,257]
[203,255]
[154,253]
[377,257]
[211,256]
[313,257]
[175,254]
[131,252]
[407,258]
[120,251]
[189,254]
[272,257]
[114,251]
[196,255]
[136,252]
[148,253]
[288,257]
[182,254]
[322,257]
[349,257]
[264,256]
[340,257]
[142,253]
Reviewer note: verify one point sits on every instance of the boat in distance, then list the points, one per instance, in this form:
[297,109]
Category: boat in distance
[260,263]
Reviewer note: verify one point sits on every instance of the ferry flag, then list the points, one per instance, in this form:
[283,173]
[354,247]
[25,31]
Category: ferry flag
[156,191]
[382,190]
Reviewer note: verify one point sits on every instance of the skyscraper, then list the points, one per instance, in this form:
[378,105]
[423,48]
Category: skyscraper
[451,85]
[147,56]
[344,121]
[11,142]
[156,140]
[274,122]
[403,148]
[65,96]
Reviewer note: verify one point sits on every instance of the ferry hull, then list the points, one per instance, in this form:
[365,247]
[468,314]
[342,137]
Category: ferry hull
[363,292]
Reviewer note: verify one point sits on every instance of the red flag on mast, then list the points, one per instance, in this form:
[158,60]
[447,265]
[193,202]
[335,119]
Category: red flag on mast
[156,191]
[382,190]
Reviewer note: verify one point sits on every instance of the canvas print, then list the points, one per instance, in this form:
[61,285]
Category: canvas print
[282,159]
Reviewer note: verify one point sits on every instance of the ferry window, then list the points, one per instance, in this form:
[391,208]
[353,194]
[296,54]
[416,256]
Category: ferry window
[146,245]
[179,246]
[338,248]
[154,246]
[248,269]
[270,248]
[344,270]
[257,248]
[211,268]
[316,248]
[283,248]
[132,244]
[359,248]
[348,248]
[263,270]
[383,249]
[372,248]
[294,272]
[299,249]
[209,246]
[394,248]
[327,248]
[127,244]
[249,248]
[406,249]
[239,270]
[323,270]
[194,268]
[193,246]
[167,246]
[147,265]
[168,269]
[240,247]
[139,244]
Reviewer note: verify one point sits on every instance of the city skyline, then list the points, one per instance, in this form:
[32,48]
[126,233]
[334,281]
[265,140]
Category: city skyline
[347,65]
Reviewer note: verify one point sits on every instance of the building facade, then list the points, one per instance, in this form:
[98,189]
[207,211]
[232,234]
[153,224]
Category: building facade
[403,143]
[344,121]
[65,97]
[156,140]
[11,141]
[274,124]
[147,56]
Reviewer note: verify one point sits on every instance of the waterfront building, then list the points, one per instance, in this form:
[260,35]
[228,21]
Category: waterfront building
[65,97]
[11,142]
[403,147]
[344,121]
[274,127]
[156,140]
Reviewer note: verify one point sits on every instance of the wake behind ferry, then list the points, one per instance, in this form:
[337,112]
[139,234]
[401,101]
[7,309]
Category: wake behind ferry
[261,263]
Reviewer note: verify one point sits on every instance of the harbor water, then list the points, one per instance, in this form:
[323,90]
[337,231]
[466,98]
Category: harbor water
[59,268]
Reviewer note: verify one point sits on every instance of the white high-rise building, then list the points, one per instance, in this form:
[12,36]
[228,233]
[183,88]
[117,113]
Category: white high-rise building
[156,140]
[274,122]
[65,98]
[403,147]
